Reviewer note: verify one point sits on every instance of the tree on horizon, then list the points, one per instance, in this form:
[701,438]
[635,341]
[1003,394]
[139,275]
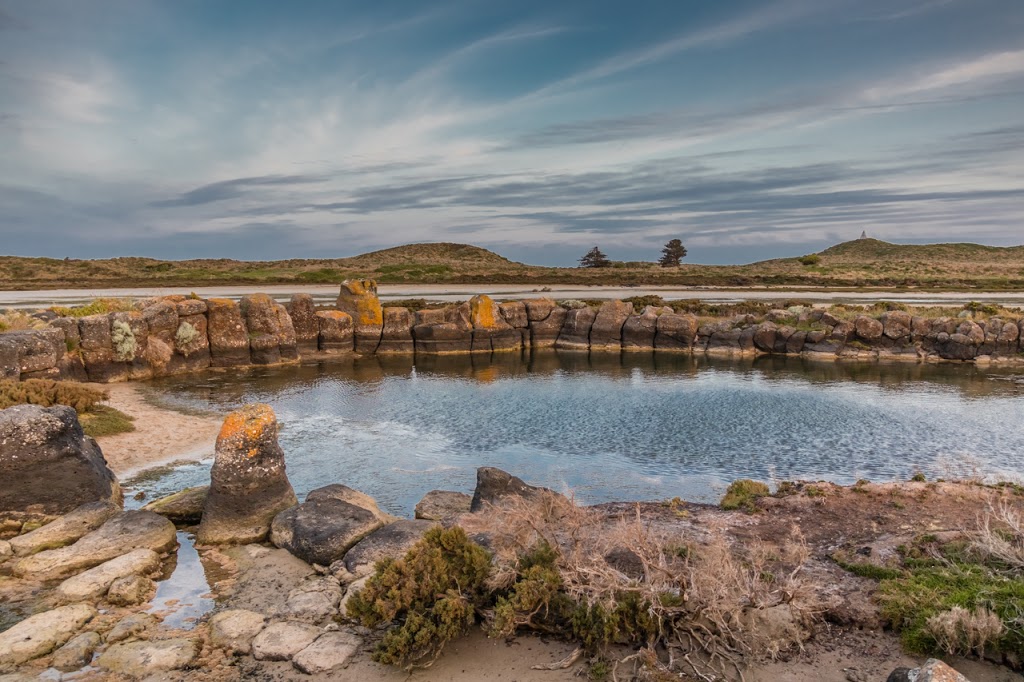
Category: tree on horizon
[673,254]
[595,258]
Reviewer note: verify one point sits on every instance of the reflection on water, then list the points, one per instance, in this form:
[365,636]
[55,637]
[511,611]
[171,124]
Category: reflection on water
[183,596]
[609,426]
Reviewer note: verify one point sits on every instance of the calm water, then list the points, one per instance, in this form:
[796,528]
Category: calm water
[617,428]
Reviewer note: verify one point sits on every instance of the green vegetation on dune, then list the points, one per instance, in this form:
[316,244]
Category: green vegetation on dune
[859,263]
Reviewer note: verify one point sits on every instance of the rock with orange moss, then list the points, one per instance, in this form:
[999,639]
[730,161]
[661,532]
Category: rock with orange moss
[228,337]
[302,311]
[359,299]
[396,335]
[248,483]
[490,330]
[334,331]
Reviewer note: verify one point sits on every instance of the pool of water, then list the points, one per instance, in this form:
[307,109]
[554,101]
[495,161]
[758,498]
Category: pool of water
[617,427]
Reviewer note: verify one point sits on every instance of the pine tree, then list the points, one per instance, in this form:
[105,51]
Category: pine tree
[595,258]
[673,254]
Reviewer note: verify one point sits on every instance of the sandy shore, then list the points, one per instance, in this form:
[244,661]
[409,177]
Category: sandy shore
[160,436]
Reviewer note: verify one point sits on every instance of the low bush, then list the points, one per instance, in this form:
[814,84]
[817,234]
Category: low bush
[641,302]
[96,307]
[47,393]
[15,320]
[810,259]
[742,494]
[103,420]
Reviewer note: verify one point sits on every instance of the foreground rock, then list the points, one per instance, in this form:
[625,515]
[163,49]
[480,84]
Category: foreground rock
[40,634]
[358,299]
[47,461]
[441,505]
[96,581]
[77,653]
[248,483]
[235,629]
[323,528]
[125,532]
[183,507]
[65,529]
[933,670]
[281,641]
[330,651]
[494,485]
[140,659]
[389,542]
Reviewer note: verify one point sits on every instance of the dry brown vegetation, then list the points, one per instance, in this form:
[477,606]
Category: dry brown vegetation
[859,263]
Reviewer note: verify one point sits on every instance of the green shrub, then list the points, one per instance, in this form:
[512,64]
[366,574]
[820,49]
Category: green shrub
[433,590]
[641,302]
[96,307]
[810,259]
[123,340]
[103,420]
[47,393]
[741,494]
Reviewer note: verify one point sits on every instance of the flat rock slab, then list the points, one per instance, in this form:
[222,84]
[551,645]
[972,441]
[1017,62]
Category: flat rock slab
[40,634]
[129,626]
[281,641]
[65,529]
[96,581]
[139,659]
[331,650]
[390,542]
[121,534]
[321,530]
[441,505]
[235,629]
[77,653]
[313,601]
[129,590]
[184,506]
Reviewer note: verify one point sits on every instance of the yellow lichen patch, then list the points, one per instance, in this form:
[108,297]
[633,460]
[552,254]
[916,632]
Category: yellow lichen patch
[219,303]
[334,315]
[248,425]
[369,312]
[481,312]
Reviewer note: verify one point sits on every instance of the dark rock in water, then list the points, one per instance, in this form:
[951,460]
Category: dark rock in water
[46,460]
[264,328]
[441,505]
[868,328]
[514,313]
[638,331]
[493,485]
[446,337]
[286,340]
[229,339]
[389,542]
[248,483]
[121,534]
[335,331]
[302,311]
[575,334]
[321,530]
[396,332]
[675,332]
[606,332]
[337,491]
[359,299]
[546,319]
[184,506]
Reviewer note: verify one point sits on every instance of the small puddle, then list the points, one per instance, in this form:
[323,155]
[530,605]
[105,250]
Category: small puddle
[184,596]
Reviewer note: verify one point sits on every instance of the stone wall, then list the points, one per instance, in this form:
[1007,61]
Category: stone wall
[176,334]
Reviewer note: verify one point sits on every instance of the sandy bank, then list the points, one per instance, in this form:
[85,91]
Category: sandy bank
[160,435]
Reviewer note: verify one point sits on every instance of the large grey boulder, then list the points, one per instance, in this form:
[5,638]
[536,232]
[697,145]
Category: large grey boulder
[66,529]
[47,461]
[40,634]
[248,482]
[606,332]
[302,311]
[676,332]
[546,319]
[337,491]
[575,334]
[322,529]
[441,505]
[388,542]
[493,485]
[184,506]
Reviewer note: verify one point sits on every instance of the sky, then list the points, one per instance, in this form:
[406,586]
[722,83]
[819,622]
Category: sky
[750,129]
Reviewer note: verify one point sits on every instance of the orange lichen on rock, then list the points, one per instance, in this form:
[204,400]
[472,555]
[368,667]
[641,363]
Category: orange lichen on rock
[359,299]
[483,312]
[248,425]
[334,315]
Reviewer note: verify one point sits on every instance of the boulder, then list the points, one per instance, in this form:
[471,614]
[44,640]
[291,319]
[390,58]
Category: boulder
[96,581]
[868,328]
[514,314]
[335,331]
[396,332]
[330,651]
[302,311]
[337,491]
[130,590]
[225,328]
[546,319]
[441,505]
[388,542]
[286,339]
[191,306]
[264,328]
[493,485]
[162,320]
[359,299]
[638,331]
[896,324]
[184,506]
[321,530]
[120,535]
[281,641]
[102,363]
[235,629]
[933,670]
[64,530]
[442,339]
[675,332]
[142,659]
[248,482]
[77,653]
[48,462]
[131,625]
[606,332]
[764,337]
[575,334]
[40,634]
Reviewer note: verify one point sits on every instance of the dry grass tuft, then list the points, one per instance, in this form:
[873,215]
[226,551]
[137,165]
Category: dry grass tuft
[1000,536]
[964,632]
[16,321]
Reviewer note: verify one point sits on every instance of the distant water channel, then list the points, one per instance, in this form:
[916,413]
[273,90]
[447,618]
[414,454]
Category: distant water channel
[611,427]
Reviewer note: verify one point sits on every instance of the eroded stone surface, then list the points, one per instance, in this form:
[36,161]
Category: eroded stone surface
[440,505]
[96,581]
[330,651]
[235,629]
[281,641]
[42,633]
[139,659]
[66,529]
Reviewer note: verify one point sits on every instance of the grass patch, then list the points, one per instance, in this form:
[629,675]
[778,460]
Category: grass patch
[742,494]
[47,393]
[866,570]
[96,307]
[103,420]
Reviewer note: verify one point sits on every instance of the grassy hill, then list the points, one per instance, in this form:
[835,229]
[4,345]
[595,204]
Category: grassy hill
[859,263]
